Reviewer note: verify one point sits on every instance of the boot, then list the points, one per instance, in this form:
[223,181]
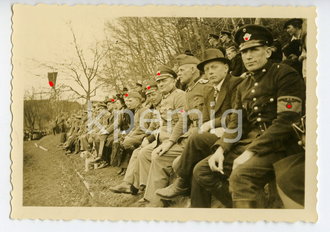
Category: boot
[178,188]
[121,188]
[244,204]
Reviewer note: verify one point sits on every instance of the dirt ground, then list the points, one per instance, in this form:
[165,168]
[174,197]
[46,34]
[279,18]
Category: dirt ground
[51,179]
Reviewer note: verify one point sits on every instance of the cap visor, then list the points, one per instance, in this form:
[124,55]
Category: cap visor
[250,44]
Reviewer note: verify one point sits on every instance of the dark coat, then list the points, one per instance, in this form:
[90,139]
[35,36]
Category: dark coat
[225,99]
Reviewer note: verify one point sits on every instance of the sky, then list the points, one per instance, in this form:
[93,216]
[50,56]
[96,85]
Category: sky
[42,35]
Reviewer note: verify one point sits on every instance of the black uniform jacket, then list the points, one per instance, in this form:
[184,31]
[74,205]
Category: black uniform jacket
[271,99]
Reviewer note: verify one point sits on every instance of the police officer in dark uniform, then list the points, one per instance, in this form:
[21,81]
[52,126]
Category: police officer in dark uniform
[271,98]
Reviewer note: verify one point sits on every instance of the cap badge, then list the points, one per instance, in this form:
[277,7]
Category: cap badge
[247,37]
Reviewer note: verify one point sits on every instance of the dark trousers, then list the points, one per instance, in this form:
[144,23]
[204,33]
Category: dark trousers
[206,183]
[247,179]
[197,148]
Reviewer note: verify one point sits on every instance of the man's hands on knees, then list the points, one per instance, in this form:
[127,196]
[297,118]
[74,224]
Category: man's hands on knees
[206,127]
[245,156]
[162,148]
[216,161]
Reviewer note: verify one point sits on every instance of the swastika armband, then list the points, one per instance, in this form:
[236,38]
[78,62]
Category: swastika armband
[289,103]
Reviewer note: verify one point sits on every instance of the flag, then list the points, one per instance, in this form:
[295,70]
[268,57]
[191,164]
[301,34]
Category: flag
[52,79]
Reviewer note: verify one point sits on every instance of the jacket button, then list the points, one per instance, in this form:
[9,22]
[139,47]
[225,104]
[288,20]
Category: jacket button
[253,90]
[254,99]
[255,108]
[271,100]
[258,119]
[259,114]
[264,70]
[256,84]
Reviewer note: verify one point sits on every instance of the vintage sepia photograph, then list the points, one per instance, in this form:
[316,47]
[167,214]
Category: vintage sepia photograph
[167,113]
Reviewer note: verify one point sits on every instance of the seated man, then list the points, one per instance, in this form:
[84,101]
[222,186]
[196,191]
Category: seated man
[161,165]
[216,68]
[171,128]
[131,178]
[271,98]
[135,135]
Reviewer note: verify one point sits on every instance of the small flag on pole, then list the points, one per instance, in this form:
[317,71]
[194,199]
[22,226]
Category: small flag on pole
[52,79]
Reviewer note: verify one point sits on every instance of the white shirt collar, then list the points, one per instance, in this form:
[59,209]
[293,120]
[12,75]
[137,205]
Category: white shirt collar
[218,86]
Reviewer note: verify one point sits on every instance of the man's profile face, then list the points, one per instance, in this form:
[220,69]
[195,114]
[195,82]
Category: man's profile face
[185,73]
[256,57]
[216,71]
[132,103]
[231,53]
[213,41]
[291,30]
[166,85]
[223,38]
[155,97]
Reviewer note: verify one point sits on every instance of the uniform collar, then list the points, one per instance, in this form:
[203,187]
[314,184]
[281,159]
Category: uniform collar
[193,84]
[256,75]
[169,93]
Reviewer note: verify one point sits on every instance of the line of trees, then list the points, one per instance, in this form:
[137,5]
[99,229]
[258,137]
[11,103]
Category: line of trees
[133,48]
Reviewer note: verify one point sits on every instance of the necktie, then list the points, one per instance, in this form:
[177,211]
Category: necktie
[216,94]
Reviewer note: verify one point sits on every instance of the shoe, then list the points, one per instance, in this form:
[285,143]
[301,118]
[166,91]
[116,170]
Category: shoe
[142,188]
[120,171]
[134,191]
[178,188]
[142,202]
[121,188]
[102,165]
[123,172]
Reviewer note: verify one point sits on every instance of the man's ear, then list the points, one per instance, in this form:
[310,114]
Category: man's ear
[268,52]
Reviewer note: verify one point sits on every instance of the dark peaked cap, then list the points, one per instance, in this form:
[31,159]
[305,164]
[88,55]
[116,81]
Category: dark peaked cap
[225,32]
[253,35]
[213,36]
[212,54]
[294,22]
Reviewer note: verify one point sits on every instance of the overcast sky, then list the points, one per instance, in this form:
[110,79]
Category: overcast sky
[42,34]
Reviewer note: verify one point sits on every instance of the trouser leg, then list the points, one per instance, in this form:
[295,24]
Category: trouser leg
[250,177]
[199,197]
[207,183]
[129,176]
[197,148]
[160,171]
[144,161]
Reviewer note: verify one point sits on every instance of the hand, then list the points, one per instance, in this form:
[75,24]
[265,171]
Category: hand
[163,148]
[301,58]
[205,127]
[216,161]
[245,156]
[218,132]
[145,142]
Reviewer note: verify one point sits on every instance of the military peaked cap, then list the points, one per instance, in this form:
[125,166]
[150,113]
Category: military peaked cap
[164,72]
[253,35]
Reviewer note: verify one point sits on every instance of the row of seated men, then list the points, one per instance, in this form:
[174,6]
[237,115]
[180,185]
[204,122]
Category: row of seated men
[224,136]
